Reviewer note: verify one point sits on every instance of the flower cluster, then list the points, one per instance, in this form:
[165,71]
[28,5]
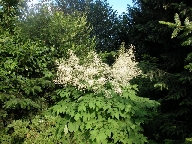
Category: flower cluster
[124,69]
[95,74]
[91,74]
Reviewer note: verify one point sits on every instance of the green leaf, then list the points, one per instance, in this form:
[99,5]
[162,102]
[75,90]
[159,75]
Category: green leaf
[101,137]
[64,93]
[116,115]
[73,127]
[82,107]
[57,109]
[92,104]
[77,116]
[47,74]
[106,106]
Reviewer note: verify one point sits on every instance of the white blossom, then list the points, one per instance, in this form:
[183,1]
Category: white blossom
[93,73]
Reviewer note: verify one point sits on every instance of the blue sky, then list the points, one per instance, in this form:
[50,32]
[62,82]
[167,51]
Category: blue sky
[119,5]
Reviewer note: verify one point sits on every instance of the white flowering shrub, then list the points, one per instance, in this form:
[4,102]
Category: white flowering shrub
[92,74]
[124,69]
[95,74]
[97,102]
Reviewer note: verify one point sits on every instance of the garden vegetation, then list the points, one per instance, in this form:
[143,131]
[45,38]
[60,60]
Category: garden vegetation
[76,72]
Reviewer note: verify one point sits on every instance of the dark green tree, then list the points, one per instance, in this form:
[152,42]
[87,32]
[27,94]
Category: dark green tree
[27,61]
[55,29]
[164,60]
[10,11]
[100,16]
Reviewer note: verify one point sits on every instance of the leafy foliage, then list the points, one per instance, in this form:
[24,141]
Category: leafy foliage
[163,60]
[27,66]
[90,101]
[57,30]
[9,12]
[40,129]
[178,28]
[101,114]
[100,16]
[86,117]
[24,74]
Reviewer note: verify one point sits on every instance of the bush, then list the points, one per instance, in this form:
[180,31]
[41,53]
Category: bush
[41,129]
[27,66]
[98,104]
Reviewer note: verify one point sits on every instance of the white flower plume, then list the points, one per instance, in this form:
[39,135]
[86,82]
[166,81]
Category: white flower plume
[94,74]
